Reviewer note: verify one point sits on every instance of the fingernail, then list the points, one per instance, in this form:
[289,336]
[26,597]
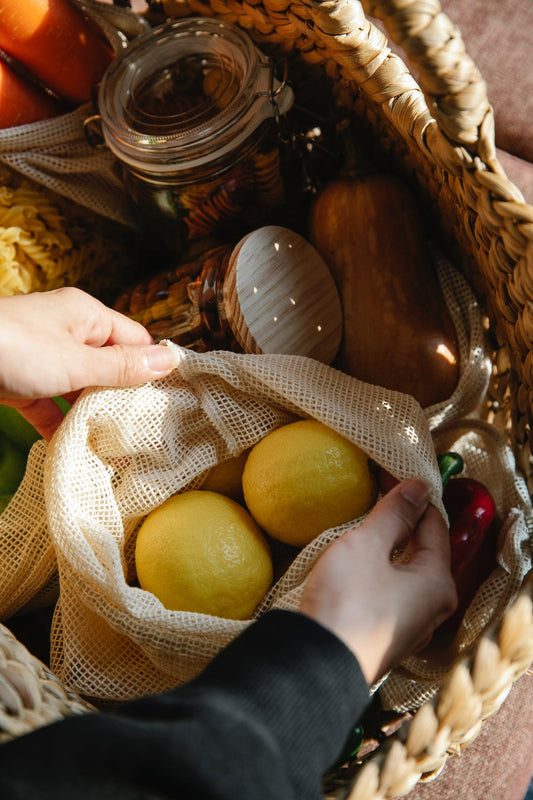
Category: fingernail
[160,359]
[416,491]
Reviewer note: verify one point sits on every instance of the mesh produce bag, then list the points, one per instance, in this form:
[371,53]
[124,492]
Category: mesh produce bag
[64,214]
[121,453]
[57,153]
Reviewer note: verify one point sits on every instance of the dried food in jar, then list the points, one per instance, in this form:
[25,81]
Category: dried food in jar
[190,110]
[184,304]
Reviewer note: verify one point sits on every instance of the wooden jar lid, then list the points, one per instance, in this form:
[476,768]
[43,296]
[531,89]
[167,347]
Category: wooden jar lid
[280,297]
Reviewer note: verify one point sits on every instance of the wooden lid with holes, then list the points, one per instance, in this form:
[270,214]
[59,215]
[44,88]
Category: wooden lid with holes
[280,297]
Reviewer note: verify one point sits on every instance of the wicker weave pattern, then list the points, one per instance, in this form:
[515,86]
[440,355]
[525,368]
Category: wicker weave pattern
[30,694]
[491,220]
[474,691]
[454,89]
[440,133]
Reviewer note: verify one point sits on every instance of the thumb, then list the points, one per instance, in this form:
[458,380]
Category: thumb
[395,517]
[126,365]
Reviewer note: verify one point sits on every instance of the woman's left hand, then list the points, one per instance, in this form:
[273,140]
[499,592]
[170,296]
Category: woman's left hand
[59,342]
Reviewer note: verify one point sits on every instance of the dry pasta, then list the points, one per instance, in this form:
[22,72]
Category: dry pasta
[47,241]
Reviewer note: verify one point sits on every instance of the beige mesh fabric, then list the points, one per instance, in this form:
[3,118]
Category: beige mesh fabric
[56,153]
[120,453]
[487,458]
[28,564]
[475,361]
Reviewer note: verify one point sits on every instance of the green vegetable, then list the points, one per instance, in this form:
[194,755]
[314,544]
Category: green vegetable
[449,464]
[62,404]
[12,466]
[5,499]
[18,430]
[351,746]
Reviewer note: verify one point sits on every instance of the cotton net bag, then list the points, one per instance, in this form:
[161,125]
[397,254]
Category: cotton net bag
[57,153]
[70,531]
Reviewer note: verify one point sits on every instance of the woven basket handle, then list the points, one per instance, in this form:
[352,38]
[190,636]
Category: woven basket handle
[454,89]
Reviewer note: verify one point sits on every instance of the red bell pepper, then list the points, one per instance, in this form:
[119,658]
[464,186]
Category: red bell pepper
[473,531]
[473,536]
[471,511]
[473,539]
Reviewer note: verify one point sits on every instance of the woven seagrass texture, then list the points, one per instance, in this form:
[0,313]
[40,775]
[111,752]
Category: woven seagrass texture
[473,692]
[30,694]
[439,132]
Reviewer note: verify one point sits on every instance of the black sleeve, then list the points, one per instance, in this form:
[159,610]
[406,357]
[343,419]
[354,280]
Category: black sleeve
[265,720]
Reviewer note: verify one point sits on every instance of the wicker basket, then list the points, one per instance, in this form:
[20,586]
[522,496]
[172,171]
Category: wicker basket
[30,694]
[439,134]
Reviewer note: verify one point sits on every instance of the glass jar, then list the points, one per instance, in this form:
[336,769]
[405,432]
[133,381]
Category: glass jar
[270,293]
[190,111]
[185,304]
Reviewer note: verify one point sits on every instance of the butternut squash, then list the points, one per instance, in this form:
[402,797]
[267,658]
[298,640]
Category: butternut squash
[397,329]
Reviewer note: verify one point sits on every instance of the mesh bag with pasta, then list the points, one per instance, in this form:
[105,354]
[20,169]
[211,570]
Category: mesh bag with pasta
[64,215]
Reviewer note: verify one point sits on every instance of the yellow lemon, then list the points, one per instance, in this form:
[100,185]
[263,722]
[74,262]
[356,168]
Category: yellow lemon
[226,477]
[200,551]
[304,478]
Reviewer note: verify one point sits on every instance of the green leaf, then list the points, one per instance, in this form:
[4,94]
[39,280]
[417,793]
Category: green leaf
[5,499]
[12,466]
[17,429]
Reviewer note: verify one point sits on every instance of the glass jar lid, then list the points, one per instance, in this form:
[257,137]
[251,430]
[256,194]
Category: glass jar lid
[185,93]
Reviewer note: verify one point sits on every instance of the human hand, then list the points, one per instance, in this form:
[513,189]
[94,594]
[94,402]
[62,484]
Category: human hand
[383,611]
[58,342]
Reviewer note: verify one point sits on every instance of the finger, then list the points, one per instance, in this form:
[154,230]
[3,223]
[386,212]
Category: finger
[125,365]
[395,516]
[71,397]
[126,331]
[430,542]
[43,414]
[93,323]
[110,327]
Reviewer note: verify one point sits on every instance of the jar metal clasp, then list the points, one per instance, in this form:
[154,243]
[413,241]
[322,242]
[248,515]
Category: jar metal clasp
[276,89]
[94,133]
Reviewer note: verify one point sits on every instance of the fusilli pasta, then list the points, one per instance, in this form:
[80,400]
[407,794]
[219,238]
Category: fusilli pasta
[47,241]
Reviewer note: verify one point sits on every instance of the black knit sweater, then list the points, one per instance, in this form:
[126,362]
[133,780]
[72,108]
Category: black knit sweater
[264,721]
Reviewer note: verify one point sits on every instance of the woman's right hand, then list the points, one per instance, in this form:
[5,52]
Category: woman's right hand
[384,611]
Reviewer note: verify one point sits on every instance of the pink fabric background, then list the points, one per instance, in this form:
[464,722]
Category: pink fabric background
[498,36]
[498,764]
